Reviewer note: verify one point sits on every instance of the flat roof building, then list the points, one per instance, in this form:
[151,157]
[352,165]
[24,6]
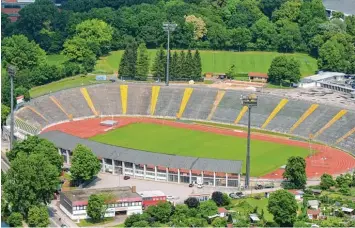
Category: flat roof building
[152,166]
[122,200]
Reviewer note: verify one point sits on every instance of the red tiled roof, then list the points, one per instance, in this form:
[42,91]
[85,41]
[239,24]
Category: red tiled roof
[175,170]
[184,171]
[220,174]
[196,172]
[209,173]
[313,212]
[257,74]
[161,168]
[150,166]
[222,210]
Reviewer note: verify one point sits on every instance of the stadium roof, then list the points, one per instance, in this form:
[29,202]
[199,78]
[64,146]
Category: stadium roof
[69,142]
[323,76]
[345,6]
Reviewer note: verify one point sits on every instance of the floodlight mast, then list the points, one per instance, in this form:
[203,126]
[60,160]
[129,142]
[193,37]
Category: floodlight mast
[168,27]
[250,101]
[11,70]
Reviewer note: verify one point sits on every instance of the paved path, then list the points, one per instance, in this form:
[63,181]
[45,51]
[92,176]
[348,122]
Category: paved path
[58,214]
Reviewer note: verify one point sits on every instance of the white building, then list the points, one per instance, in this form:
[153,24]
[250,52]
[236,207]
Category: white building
[125,200]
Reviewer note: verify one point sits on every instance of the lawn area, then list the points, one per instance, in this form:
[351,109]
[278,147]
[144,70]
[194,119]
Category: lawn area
[56,59]
[65,83]
[260,203]
[87,222]
[221,61]
[265,156]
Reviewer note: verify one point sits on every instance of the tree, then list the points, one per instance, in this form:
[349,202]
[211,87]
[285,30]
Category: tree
[264,33]
[97,33]
[344,180]
[208,208]
[284,68]
[95,207]
[77,50]
[161,212]
[85,164]
[197,65]
[198,24]
[174,65]
[31,180]
[217,197]
[159,65]
[219,222]
[135,218]
[5,111]
[189,67]
[38,216]
[350,25]
[338,15]
[290,10]
[269,6]
[240,37]
[192,202]
[15,219]
[326,181]
[142,63]
[246,14]
[141,224]
[5,22]
[295,172]
[22,53]
[283,206]
[36,145]
[181,64]
[289,37]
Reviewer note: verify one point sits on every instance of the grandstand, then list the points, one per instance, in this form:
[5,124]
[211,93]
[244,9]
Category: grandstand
[291,111]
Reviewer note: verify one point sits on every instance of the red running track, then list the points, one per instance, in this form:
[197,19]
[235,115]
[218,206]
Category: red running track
[325,160]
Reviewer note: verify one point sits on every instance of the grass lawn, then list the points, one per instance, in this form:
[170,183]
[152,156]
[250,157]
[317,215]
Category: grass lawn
[221,61]
[260,203]
[65,83]
[265,156]
[56,59]
[87,222]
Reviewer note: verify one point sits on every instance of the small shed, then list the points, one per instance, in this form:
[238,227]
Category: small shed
[313,214]
[259,77]
[254,218]
[348,211]
[297,193]
[222,212]
[313,204]
[316,191]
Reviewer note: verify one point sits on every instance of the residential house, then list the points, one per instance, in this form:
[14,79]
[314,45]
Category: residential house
[258,77]
[222,212]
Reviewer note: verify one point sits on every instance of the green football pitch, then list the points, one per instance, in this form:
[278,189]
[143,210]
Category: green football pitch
[265,156]
[221,61]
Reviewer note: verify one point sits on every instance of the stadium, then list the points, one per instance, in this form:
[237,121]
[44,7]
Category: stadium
[182,133]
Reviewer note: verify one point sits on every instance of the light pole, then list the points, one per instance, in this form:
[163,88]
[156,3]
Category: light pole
[250,101]
[11,70]
[168,27]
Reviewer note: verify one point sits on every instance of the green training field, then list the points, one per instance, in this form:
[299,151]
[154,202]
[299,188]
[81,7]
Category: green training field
[221,61]
[265,156]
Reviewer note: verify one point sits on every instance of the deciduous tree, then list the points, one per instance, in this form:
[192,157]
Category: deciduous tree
[19,51]
[161,212]
[208,208]
[219,222]
[31,180]
[283,206]
[295,172]
[85,164]
[326,181]
[240,37]
[284,68]
[15,219]
[38,216]
[192,202]
[95,207]
[5,111]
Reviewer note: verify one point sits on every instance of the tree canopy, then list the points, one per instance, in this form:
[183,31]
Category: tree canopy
[95,207]
[284,68]
[283,206]
[38,216]
[295,172]
[85,164]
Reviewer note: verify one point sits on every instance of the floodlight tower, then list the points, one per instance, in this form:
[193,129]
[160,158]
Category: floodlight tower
[11,70]
[250,101]
[168,27]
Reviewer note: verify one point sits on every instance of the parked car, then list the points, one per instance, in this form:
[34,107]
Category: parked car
[199,186]
[126,177]
[170,198]
[237,195]
[240,194]
[191,185]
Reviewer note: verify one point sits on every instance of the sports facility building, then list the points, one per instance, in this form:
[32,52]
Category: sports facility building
[311,115]
[152,166]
